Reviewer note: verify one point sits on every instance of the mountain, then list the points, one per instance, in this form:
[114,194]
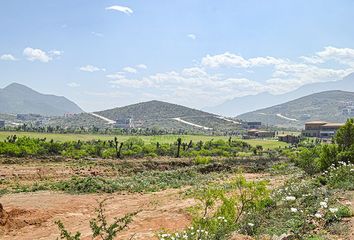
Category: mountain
[17,98]
[326,106]
[165,115]
[249,103]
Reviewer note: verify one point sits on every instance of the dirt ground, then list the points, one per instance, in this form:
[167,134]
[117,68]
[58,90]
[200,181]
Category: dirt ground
[32,215]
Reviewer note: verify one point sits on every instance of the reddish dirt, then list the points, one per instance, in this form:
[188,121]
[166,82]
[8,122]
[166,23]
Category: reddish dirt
[32,215]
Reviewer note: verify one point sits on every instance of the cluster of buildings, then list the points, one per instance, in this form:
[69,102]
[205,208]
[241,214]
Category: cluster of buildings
[128,123]
[254,130]
[316,129]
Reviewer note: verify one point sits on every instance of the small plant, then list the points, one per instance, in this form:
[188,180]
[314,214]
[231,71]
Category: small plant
[65,234]
[99,225]
[101,228]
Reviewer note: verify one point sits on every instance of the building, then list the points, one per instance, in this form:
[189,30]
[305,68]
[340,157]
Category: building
[2,123]
[289,139]
[253,125]
[321,129]
[255,133]
[329,130]
[348,111]
[124,123]
[28,117]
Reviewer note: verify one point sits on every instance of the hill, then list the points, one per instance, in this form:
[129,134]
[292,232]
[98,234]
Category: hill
[249,103]
[17,98]
[326,106]
[152,114]
[165,115]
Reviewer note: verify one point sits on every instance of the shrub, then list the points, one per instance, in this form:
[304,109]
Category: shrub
[308,160]
[341,177]
[202,160]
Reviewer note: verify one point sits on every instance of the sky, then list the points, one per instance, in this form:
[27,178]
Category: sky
[108,53]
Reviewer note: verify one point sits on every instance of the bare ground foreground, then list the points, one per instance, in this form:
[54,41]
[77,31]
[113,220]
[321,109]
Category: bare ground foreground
[32,215]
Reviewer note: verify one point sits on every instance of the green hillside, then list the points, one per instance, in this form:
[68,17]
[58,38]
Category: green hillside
[326,106]
[152,114]
[161,115]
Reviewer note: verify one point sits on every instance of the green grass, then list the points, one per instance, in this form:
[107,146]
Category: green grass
[271,144]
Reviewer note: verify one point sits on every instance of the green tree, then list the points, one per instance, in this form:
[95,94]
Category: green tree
[345,135]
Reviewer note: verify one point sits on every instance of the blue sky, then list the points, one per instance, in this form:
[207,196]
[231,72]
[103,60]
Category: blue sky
[103,54]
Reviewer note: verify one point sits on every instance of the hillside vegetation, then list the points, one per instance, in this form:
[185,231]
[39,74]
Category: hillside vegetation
[326,106]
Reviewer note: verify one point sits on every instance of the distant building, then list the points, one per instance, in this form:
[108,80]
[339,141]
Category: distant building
[321,129]
[305,117]
[289,139]
[348,111]
[2,123]
[28,117]
[253,125]
[124,123]
[255,133]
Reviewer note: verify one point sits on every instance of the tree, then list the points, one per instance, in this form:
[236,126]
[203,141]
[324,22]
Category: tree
[345,135]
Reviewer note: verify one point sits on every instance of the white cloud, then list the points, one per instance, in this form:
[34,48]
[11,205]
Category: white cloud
[55,53]
[192,36]
[73,84]
[91,68]
[205,84]
[233,60]
[130,70]
[225,59]
[341,55]
[141,66]
[97,34]
[118,75]
[36,54]
[122,9]
[7,57]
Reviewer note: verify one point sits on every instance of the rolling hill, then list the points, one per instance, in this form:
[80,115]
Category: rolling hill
[167,116]
[249,103]
[17,98]
[326,106]
[152,114]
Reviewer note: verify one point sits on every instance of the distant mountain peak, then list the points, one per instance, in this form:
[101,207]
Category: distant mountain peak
[15,85]
[240,105]
[18,98]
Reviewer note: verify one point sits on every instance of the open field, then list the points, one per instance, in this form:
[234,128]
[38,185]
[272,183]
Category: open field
[32,214]
[271,144]
[221,187]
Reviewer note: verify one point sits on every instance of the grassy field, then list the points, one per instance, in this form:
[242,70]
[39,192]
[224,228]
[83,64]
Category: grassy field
[271,144]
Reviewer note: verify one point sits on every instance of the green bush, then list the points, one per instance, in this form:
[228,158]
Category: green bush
[202,160]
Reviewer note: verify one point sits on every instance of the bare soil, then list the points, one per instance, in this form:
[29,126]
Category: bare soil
[32,215]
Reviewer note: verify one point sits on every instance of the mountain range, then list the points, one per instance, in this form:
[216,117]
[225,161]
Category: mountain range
[17,98]
[262,100]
